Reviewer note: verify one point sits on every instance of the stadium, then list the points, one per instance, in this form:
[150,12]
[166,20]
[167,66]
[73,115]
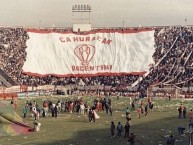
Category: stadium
[48,74]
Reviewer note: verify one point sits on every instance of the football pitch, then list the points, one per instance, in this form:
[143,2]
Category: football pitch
[74,129]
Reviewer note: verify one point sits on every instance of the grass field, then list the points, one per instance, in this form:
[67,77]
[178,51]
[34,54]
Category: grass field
[74,129]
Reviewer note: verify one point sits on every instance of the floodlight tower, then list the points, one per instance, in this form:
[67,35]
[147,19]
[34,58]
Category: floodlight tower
[81,17]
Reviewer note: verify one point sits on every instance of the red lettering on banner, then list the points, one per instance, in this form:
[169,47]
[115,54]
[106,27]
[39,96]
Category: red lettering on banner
[101,67]
[93,38]
[91,68]
[77,68]
[105,41]
[68,39]
[97,67]
[106,67]
[99,38]
[86,68]
[62,39]
[82,68]
[75,39]
[87,38]
[81,38]
[73,68]
[110,67]
[108,41]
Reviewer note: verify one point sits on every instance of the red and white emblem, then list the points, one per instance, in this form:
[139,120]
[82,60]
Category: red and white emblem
[85,53]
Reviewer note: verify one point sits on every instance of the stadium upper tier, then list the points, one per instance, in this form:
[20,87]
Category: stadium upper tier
[114,57]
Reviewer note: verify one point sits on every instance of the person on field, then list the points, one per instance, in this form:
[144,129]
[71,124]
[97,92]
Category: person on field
[36,126]
[90,115]
[127,111]
[169,97]
[146,110]
[127,126]
[96,116]
[110,110]
[190,115]
[56,111]
[149,100]
[86,107]
[181,130]
[107,107]
[139,112]
[15,103]
[184,112]
[30,106]
[119,129]
[25,111]
[82,109]
[128,118]
[142,103]
[151,107]
[98,105]
[132,139]
[12,103]
[112,129]
[133,105]
[180,111]
[35,113]
[45,108]
[171,140]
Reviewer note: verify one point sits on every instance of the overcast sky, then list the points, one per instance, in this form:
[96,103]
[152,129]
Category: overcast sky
[105,13]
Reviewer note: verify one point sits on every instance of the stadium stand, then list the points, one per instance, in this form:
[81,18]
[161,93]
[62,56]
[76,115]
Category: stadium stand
[173,61]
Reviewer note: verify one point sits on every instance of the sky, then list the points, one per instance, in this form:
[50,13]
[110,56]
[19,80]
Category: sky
[105,13]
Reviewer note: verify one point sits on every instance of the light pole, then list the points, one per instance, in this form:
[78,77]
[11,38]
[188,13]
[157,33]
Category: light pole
[185,22]
[40,23]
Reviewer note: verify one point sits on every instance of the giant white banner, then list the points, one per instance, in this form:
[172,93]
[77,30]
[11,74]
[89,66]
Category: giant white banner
[89,54]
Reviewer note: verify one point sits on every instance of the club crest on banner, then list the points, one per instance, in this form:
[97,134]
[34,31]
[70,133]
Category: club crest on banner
[85,53]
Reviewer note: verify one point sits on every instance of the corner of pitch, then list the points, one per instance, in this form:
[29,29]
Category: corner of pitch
[91,68]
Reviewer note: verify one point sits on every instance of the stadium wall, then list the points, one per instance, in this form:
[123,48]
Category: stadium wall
[81,27]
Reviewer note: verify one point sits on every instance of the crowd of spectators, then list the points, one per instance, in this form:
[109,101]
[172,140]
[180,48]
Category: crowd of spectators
[173,60]
[12,50]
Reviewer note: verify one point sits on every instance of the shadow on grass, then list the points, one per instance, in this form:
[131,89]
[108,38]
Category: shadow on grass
[146,131]
[90,137]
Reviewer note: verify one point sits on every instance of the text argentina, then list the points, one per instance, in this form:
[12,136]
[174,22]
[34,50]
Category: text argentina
[92,68]
[85,39]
